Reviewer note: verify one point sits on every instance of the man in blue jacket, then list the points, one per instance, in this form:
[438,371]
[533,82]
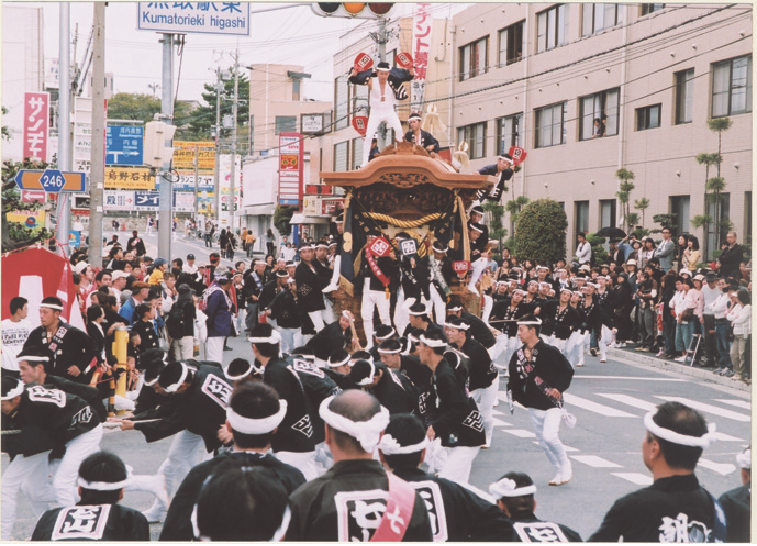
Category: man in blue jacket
[219,309]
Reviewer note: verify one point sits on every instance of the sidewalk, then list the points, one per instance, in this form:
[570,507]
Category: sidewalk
[705,374]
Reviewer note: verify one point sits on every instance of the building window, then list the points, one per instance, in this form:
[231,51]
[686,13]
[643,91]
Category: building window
[597,17]
[357,151]
[604,106]
[646,9]
[606,213]
[474,59]
[680,206]
[732,87]
[509,133]
[582,219]
[296,85]
[341,102]
[648,117]
[286,124]
[475,136]
[359,102]
[551,28]
[684,95]
[550,125]
[511,44]
[341,151]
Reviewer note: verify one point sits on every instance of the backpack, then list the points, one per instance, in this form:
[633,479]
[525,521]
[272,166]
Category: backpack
[174,322]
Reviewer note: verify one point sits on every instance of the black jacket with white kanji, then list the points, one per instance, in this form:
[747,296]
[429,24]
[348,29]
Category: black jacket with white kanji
[285,311]
[427,139]
[394,395]
[456,513]
[148,334]
[201,409]
[479,330]
[178,524]
[673,509]
[137,245]
[483,372]
[527,528]
[504,316]
[295,433]
[317,386]
[561,323]
[310,284]
[70,347]
[100,522]
[548,369]
[329,339]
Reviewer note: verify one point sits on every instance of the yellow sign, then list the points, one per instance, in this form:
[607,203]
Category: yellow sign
[128,178]
[185,152]
[30,219]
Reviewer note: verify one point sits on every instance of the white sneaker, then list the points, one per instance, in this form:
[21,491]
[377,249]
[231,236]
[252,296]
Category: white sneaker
[155,514]
[603,360]
[330,288]
[557,480]
[580,364]
[681,358]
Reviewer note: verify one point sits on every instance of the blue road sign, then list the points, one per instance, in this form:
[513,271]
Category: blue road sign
[124,145]
[146,200]
[51,180]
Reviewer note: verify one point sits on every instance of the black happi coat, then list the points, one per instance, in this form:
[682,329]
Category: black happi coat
[736,505]
[549,369]
[121,524]
[479,330]
[527,527]
[561,323]
[483,372]
[503,310]
[70,347]
[317,387]
[178,524]
[427,139]
[200,410]
[310,285]
[394,395]
[295,433]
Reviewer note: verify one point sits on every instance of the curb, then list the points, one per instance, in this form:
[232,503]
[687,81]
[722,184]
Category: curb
[680,369]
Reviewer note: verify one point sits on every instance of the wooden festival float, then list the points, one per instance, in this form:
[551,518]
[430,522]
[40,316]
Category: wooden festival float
[405,189]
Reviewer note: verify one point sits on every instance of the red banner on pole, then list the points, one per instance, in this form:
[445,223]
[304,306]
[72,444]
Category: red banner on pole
[291,159]
[518,154]
[380,247]
[36,120]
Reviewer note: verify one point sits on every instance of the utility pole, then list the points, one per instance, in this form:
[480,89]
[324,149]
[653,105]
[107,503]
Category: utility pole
[234,137]
[381,39]
[217,169]
[97,159]
[64,114]
[197,174]
[164,189]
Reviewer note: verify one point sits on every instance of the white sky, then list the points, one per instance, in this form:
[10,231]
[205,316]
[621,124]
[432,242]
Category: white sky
[293,36]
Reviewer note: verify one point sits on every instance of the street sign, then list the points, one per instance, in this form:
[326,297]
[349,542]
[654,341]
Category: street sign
[51,180]
[125,145]
[146,200]
[226,18]
[30,196]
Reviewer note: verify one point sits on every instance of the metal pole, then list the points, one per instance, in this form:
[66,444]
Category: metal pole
[217,169]
[64,116]
[234,138]
[197,174]
[382,39]
[164,203]
[97,158]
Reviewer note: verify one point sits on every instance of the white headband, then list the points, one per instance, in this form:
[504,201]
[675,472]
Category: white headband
[182,377]
[461,326]
[240,376]
[744,460]
[32,358]
[247,425]
[13,393]
[432,342]
[273,339]
[151,383]
[474,228]
[103,486]
[535,322]
[676,438]
[458,308]
[507,488]
[365,432]
[417,313]
[440,251]
[51,306]
[389,351]
[389,446]
[368,380]
[387,336]
[331,364]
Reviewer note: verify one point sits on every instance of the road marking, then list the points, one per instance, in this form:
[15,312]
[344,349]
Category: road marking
[655,379]
[521,433]
[630,400]
[722,469]
[723,437]
[743,404]
[595,461]
[607,411]
[499,423]
[701,406]
[569,449]
[638,479]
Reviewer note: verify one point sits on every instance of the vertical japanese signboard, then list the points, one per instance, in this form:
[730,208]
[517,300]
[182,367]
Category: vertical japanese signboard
[291,155]
[421,46]
[36,120]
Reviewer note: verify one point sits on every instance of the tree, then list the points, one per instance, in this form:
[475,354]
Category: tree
[142,107]
[624,195]
[6,133]
[667,221]
[16,235]
[598,252]
[642,205]
[496,227]
[713,186]
[540,231]
[281,218]
[514,207]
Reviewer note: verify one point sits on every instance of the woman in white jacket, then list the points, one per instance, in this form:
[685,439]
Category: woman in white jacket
[684,328]
[740,316]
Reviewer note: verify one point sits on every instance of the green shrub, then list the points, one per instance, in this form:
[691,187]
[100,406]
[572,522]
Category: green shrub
[540,231]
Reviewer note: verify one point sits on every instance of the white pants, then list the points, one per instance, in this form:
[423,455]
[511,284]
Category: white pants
[215,349]
[67,474]
[240,320]
[183,347]
[458,463]
[371,300]
[438,305]
[290,339]
[485,399]
[187,450]
[328,314]
[547,428]
[378,115]
[30,472]
[318,318]
[305,462]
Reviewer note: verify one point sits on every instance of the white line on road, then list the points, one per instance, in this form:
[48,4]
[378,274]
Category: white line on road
[723,437]
[722,469]
[607,411]
[701,406]
[630,400]
[638,479]
[595,461]
[521,433]
[743,404]
[655,379]
[569,449]
[499,423]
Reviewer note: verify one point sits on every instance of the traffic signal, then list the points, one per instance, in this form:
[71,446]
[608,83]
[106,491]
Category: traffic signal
[352,10]
[156,152]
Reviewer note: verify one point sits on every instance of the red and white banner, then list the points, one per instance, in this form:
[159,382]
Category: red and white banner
[360,123]
[461,267]
[291,159]
[518,154]
[421,46]
[380,247]
[36,121]
[36,274]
